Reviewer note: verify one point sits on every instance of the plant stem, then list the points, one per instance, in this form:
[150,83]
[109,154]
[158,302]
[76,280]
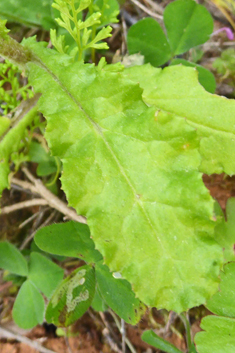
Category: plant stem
[92,35]
[78,38]
[185,319]
[14,52]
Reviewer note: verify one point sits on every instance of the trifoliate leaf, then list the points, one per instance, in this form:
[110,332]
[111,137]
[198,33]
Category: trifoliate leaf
[147,38]
[28,310]
[188,24]
[12,260]
[72,298]
[117,293]
[44,273]
[98,303]
[68,239]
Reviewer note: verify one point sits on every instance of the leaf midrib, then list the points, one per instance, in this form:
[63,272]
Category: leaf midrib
[37,61]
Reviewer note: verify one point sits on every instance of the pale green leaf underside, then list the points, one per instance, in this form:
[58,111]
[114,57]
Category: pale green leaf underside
[177,91]
[134,175]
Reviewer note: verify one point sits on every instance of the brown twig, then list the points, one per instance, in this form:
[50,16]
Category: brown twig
[28,220]
[146,10]
[124,36]
[119,326]
[49,198]
[34,344]
[23,204]
[31,236]
[155,6]
[113,345]
[171,319]
[123,333]
[24,185]
[53,200]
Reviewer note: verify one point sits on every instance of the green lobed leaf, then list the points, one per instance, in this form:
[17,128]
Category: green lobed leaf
[72,297]
[222,302]
[147,37]
[12,260]
[68,239]
[28,310]
[205,77]
[118,294]
[225,230]
[35,248]
[176,90]
[44,273]
[133,172]
[218,337]
[188,24]
[156,341]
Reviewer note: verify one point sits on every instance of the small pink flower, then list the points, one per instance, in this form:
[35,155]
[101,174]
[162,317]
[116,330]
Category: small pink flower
[228,31]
